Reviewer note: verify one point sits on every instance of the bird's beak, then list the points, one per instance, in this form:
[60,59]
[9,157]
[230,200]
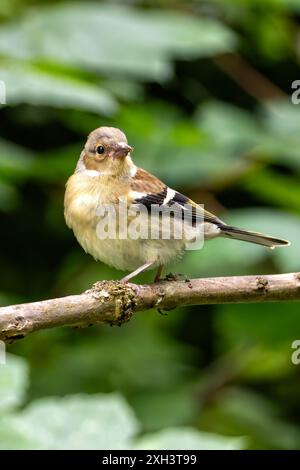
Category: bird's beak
[122,150]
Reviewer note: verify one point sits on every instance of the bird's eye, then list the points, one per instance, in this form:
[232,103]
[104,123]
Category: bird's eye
[100,149]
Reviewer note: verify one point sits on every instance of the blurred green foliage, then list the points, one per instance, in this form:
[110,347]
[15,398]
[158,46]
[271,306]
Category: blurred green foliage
[99,421]
[203,91]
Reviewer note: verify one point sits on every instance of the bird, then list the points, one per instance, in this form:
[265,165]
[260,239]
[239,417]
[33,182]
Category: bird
[105,176]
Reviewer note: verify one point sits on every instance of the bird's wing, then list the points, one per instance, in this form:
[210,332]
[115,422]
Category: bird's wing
[148,190]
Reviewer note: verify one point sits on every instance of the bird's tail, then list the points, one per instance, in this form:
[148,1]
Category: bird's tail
[252,237]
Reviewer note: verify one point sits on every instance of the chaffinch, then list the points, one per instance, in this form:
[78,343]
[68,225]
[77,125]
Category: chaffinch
[105,175]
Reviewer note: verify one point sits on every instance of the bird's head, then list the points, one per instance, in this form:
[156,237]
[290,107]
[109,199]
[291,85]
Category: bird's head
[106,152]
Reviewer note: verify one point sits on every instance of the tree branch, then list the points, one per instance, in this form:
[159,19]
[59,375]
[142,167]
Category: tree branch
[114,303]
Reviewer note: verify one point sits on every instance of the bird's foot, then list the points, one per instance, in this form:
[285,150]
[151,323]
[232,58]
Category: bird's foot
[176,277]
[164,311]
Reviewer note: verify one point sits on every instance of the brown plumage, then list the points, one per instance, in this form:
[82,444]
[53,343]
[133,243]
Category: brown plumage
[144,182]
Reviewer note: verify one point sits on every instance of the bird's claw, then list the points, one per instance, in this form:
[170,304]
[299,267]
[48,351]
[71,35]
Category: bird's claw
[176,277]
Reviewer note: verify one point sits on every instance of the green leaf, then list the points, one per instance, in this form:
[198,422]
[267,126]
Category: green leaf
[281,120]
[228,126]
[13,381]
[31,85]
[188,37]
[273,133]
[189,439]
[89,35]
[13,437]
[76,422]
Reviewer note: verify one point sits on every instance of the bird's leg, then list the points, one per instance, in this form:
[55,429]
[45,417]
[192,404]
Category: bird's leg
[158,274]
[136,272]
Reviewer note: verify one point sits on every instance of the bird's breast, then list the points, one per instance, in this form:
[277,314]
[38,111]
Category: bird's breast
[85,195]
